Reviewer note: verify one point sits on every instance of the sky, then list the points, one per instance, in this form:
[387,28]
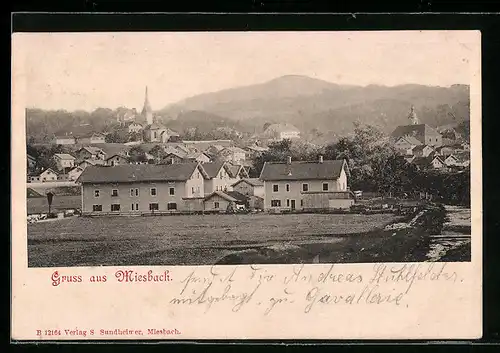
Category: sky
[88,70]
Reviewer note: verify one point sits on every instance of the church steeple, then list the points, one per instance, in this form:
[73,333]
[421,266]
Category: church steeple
[147,112]
[413,116]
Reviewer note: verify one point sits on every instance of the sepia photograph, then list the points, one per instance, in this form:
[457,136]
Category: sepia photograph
[247,148]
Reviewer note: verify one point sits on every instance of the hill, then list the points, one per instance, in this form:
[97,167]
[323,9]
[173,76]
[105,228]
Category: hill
[311,103]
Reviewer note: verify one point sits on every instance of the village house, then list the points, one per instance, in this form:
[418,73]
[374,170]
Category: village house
[140,189]
[217,177]
[200,157]
[156,132]
[91,139]
[30,162]
[422,132]
[232,154]
[74,173]
[219,201]
[85,163]
[297,185]
[64,161]
[422,151]
[281,131]
[117,159]
[64,140]
[45,176]
[90,152]
[450,161]
[430,162]
[405,144]
[253,188]
[249,187]
[253,151]
[133,127]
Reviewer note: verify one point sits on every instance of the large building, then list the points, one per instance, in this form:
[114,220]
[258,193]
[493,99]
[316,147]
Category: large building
[281,132]
[139,189]
[423,133]
[313,185]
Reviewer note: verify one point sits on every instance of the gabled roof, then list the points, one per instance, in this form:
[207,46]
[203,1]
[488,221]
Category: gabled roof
[64,156]
[178,154]
[93,162]
[117,155]
[232,196]
[425,161]
[418,129]
[420,148]
[169,132]
[155,126]
[30,157]
[410,140]
[212,169]
[138,173]
[91,149]
[235,169]
[251,181]
[48,170]
[233,150]
[298,170]
[77,167]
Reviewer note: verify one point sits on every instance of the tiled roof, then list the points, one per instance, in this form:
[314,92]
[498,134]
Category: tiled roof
[117,155]
[418,129]
[137,173]
[233,196]
[212,169]
[419,148]
[64,156]
[411,140]
[251,181]
[155,126]
[297,170]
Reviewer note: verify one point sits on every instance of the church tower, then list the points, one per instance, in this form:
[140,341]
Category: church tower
[147,112]
[413,116]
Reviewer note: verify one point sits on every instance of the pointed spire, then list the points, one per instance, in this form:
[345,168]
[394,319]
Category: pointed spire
[147,112]
[413,116]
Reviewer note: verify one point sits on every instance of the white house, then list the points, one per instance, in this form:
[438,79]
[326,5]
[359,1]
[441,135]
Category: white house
[64,161]
[313,185]
[281,132]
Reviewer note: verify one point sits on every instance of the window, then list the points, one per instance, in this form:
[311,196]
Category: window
[136,192]
[115,207]
[275,203]
[131,192]
[325,186]
[137,207]
[275,188]
[171,191]
[287,203]
[153,191]
[171,206]
[114,192]
[216,204]
[153,206]
[287,187]
[301,203]
[192,190]
[305,187]
[97,208]
[155,135]
[96,193]
[132,207]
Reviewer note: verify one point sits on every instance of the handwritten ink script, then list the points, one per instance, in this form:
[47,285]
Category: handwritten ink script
[304,287]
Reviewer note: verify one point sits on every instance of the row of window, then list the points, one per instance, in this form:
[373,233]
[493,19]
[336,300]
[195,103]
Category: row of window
[135,207]
[305,187]
[277,203]
[135,192]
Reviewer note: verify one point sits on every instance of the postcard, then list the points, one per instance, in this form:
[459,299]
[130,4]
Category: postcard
[246,185]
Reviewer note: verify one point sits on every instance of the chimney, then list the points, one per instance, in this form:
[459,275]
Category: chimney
[289,160]
[321,159]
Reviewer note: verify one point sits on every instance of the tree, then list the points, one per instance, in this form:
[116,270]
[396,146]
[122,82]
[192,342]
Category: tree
[158,152]
[137,154]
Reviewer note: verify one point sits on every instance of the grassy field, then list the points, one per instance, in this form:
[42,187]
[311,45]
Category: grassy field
[59,203]
[204,240]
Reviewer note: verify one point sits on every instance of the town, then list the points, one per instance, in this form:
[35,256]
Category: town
[157,172]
